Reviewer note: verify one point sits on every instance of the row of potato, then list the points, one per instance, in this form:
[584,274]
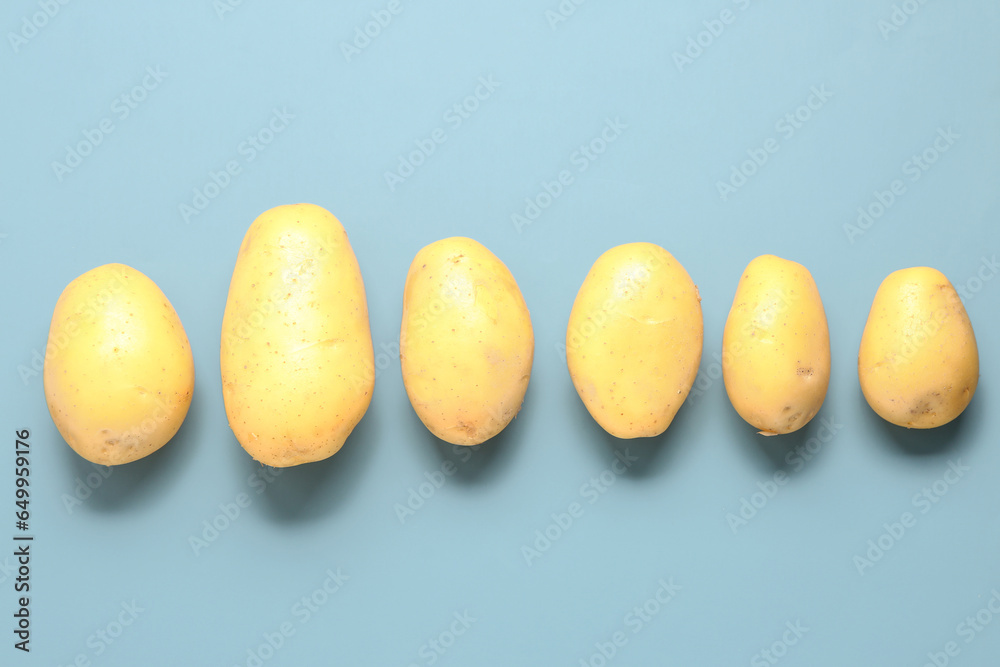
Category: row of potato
[298,366]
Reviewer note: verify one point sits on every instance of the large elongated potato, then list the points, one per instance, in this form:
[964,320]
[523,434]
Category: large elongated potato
[918,363]
[634,339]
[297,361]
[776,346]
[118,372]
[466,343]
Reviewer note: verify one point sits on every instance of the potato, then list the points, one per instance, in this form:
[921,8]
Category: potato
[466,343]
[297,361]
[918,363]
[118,371]
[634,339]
[776,347]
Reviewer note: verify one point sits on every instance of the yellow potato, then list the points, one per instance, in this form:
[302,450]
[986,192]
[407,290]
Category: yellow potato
[918,363]
[118,368]
[634,339]
[297,361]
[776,347]
[466,343]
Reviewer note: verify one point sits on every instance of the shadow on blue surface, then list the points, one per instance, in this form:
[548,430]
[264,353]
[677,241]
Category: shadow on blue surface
[647,457]
[780,450]
[783,452]
[139,483]
[482,463]
[942,441]
[310,491]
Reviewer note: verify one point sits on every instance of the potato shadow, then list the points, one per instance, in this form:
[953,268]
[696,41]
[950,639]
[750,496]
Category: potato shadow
[131,485]
[482,463]
[787,452]
[642,457]
[942,441]
[309,491]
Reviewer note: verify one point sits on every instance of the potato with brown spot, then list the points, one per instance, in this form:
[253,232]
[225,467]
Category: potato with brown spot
[119,374]
[776,346]
[296,353]
[918,363]
[466,342]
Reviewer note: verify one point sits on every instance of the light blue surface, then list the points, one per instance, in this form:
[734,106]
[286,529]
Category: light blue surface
[552,88]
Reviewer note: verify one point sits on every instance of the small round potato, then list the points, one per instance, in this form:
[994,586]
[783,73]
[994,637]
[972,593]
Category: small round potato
[918,363]
[634,339]
[466,342]
[776,347]
[118,374]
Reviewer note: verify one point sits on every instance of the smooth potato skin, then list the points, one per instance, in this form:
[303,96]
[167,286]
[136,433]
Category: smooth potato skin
[634,339]
[296,356]
[918,363]
[466,342]
[118,371]
[776,346]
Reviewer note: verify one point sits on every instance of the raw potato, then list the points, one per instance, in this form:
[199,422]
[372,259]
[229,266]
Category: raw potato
[634,339]
[466,343]
[297,362]
[918,363]
[776,347]
[118,369]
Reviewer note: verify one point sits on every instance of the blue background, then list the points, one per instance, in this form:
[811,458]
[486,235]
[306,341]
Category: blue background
[688,125]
